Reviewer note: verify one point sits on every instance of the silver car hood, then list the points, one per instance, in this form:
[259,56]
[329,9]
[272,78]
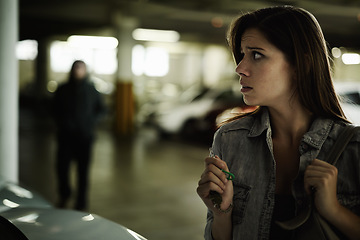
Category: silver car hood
[13,196]
[58,224]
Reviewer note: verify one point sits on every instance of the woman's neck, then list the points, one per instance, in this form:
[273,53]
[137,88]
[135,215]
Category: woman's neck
[290,123]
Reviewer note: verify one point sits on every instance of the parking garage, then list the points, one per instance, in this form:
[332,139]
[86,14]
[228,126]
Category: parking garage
[167,78]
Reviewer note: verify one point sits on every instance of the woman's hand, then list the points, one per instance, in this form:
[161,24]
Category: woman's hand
[321,178]
[213,179]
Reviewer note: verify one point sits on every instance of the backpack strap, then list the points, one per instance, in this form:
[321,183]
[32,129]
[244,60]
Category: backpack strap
[340,144]
[332,157]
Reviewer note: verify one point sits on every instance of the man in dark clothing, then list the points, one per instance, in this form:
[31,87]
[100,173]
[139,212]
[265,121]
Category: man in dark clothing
[77,108]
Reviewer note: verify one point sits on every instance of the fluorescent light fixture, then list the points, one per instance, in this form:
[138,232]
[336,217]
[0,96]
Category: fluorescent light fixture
[99,53]
[62,56]
[350,58]
[153,35]
[93,42]
[26,50]
[138,60]
[156,62]
[151,61]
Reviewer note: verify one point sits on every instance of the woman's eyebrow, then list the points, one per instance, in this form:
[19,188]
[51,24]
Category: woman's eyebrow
[252,48]
[255,48]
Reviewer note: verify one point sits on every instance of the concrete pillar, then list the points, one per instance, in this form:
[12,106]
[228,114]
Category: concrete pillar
[126,26]
[8,90]
[125,104]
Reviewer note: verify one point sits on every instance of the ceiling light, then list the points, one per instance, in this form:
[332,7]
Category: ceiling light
[93,42]
[350,58]
[27,50]
[142,34]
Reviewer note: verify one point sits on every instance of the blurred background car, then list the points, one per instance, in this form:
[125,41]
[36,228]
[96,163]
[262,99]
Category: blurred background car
[161,102]
[25,215]
[196,119]
[349,93]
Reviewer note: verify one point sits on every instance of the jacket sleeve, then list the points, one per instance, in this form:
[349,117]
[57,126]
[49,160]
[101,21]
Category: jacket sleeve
[208,234]
[215,150]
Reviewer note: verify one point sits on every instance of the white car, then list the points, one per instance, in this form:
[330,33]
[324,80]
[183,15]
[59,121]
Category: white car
[349,93]
[193,117]
[24,215]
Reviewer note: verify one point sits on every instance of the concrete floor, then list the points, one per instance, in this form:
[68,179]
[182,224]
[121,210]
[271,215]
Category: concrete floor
[142,182]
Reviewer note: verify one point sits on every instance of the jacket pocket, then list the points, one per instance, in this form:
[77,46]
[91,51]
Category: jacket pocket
[240,199]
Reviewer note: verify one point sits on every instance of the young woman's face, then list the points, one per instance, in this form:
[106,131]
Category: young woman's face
[265,74]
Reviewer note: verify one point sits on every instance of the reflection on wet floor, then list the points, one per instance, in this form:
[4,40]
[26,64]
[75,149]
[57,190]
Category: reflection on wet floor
[142,182]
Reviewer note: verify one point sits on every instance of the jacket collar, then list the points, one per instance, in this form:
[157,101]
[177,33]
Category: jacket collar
[260,122]
[318,132]
[315,137]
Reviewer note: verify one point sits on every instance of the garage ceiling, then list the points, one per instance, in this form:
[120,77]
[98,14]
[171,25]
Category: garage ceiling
[192,18]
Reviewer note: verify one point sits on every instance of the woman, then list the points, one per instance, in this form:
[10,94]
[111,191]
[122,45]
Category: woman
[276,152]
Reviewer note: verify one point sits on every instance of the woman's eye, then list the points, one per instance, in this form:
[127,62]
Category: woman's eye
[257,55]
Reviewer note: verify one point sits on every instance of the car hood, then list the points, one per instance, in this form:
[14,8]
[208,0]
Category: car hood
[54,224]
[13,196]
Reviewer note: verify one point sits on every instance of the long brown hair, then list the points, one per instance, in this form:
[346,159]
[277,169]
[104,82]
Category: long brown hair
[296,33]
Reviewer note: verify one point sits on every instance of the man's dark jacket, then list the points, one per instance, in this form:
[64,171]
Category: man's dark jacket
[77,108]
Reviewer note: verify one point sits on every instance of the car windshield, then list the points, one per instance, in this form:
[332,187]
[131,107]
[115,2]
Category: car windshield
[351,97]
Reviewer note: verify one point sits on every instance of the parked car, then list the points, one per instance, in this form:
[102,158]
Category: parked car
[197,118]
[151,108]
[349,93]
[25,215]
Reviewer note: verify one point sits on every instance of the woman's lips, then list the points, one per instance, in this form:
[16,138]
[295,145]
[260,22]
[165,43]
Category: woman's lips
[246,89]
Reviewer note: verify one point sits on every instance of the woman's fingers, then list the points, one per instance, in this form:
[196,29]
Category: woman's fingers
[210,177]
[214,179]
[321,173]
[216,161]
[215,165]
[204,189]
[321,179]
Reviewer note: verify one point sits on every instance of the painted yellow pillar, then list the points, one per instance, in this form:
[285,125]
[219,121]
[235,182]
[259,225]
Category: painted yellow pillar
[124,97]
[125,108]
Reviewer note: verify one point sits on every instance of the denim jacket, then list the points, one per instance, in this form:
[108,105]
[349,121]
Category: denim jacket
[246,146]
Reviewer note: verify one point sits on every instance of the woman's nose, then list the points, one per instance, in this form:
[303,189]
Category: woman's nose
[241,69]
